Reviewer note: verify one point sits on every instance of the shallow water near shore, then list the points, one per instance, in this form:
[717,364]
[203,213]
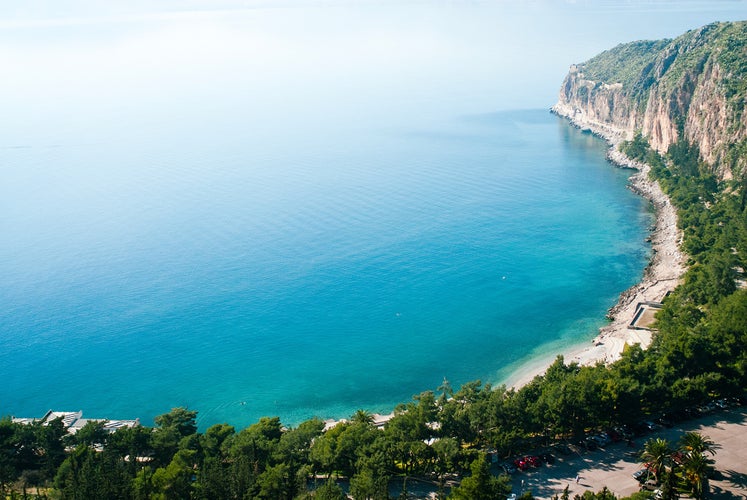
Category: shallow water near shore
[312,282]
[303,209]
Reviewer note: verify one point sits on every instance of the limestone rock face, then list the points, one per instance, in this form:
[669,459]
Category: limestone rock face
[597,104]
[692,87]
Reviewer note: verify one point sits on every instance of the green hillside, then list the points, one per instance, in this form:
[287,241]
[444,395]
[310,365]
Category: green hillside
[638,65]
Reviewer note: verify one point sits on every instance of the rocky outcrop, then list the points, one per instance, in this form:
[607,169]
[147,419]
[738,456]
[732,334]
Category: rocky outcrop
[602,108]
[692,87]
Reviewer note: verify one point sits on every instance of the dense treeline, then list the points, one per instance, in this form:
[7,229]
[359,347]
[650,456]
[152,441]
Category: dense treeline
[698,354]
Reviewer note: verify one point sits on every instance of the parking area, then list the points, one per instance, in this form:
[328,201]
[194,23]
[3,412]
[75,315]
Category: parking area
[613,466]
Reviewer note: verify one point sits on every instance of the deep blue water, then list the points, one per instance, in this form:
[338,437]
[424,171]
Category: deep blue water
[244,279]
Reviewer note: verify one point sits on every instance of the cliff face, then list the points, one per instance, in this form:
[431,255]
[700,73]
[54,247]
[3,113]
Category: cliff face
[693,87]
[600,106]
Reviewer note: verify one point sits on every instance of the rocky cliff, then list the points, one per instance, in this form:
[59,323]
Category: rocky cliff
[693,87]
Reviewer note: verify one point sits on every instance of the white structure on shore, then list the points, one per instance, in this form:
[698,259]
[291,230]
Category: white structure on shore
[73,421]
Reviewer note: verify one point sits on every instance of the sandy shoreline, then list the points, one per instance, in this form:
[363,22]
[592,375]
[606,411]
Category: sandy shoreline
[662,275]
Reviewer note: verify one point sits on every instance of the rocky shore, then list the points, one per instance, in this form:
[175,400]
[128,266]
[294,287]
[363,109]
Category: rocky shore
[663,274]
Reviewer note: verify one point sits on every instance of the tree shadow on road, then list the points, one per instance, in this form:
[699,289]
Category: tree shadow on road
[721,494]
[737,416]
[731,479]
[737,479]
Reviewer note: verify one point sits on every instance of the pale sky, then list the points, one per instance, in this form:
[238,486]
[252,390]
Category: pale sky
[75,63]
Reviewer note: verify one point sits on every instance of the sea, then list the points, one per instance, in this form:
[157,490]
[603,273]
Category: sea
[309,282]
[241,215]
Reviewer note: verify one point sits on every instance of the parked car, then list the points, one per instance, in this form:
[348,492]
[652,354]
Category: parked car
[521,464]
[641,475]
[508,468]
[664,421]
[737,401]
[589,444]
[649,485]
[640,429]
[691,412]
[676,416]
[547,458]
[626,431]
[614,435]
[651,426]
[563,449]
[707,408]
[601,440]
[526,462]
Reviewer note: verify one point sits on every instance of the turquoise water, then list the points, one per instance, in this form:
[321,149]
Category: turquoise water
[304,210]
[244,282]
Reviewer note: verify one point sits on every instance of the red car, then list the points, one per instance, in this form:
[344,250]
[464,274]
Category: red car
[527,461]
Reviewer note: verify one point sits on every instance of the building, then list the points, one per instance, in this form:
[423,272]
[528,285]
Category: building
[73,421]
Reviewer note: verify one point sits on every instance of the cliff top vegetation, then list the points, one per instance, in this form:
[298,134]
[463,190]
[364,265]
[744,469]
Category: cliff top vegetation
[624,63]
[692,87]
[635,63]
[638,65]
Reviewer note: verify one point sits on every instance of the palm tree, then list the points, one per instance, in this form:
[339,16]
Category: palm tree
[362,417]
[695,465]
[694,442]
[695,472]
[669,486]
[656,453]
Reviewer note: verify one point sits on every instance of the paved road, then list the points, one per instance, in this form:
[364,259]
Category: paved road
[613,466]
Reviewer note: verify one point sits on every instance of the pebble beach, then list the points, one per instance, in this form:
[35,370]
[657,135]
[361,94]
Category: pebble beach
[662,275]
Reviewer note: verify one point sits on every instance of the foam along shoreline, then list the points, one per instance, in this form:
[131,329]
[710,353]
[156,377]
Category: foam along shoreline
[662,275]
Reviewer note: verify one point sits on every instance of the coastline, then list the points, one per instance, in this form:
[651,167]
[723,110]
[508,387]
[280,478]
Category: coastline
[663,273]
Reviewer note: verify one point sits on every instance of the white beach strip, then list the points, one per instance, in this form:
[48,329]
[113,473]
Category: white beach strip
[662,275]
